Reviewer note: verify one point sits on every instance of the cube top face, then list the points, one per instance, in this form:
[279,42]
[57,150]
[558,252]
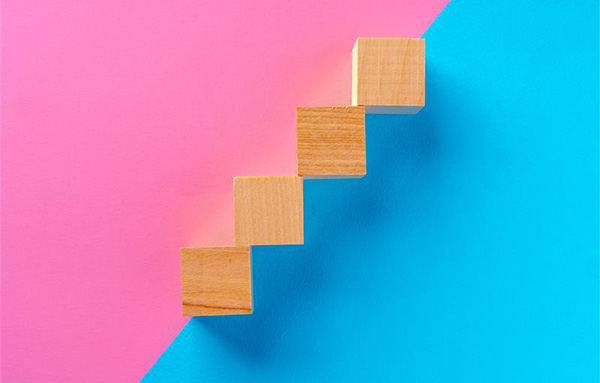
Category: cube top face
[216,281]
[389,72]
[331,142]
[268,210]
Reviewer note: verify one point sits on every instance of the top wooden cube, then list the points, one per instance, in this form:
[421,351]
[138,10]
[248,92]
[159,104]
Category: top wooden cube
[388,75]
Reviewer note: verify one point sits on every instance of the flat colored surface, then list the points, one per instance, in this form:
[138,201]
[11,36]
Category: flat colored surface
[469,252]
[123,123]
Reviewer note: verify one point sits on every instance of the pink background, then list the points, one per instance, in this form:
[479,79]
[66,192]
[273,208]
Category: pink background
[123,124]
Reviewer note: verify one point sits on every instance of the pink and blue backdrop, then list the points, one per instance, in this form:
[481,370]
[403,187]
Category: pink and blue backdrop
[468,253]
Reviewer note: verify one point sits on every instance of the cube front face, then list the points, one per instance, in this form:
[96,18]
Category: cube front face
[331,142]
[216,281]
[268,211]
[388,75]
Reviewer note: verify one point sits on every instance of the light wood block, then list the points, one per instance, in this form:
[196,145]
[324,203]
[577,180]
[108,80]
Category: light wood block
[216,280]
[268,210]
[331,142]
[388,75]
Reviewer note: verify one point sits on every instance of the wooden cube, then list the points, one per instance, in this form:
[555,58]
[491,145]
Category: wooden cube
[388,75]
[268,210]
[216,280]
[331,142]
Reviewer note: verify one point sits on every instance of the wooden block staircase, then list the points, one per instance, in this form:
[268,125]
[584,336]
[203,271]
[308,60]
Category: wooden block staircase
[388,76]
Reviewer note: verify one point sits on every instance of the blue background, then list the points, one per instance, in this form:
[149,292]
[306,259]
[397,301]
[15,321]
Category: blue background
[469,253]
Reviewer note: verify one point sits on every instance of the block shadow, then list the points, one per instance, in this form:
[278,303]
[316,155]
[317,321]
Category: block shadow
[404,164]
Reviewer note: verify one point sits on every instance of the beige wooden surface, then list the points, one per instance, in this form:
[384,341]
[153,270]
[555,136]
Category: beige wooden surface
[389,72]
[216,280]
[268,210]
[331,141]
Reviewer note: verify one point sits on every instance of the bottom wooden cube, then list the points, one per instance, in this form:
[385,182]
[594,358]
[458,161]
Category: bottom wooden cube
[216,280]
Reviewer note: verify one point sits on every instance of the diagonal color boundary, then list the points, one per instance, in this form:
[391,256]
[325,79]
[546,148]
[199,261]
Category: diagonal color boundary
[469,251]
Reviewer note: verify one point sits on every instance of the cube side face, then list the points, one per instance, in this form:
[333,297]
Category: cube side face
[268,210]
[216,281]
[389,72]
[331,142]
[355,74]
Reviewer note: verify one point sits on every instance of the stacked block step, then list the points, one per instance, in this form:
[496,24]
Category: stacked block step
[268,211]
[216,280]
[331,142]
[388,76]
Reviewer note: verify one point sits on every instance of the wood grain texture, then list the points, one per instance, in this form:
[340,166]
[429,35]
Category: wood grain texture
[390,74]
[331,142]
[216,280]
[268,210]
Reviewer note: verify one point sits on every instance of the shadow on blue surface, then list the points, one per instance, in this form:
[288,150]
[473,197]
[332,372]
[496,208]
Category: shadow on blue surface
[341,215]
